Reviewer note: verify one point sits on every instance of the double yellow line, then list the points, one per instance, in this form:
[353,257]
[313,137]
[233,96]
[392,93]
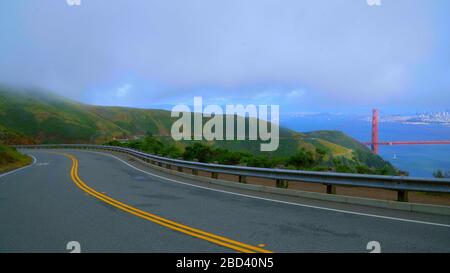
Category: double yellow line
[216,239]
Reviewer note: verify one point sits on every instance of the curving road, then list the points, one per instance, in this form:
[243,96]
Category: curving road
[109,203]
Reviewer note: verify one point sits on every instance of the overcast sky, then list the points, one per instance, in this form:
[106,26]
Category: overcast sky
[310,55]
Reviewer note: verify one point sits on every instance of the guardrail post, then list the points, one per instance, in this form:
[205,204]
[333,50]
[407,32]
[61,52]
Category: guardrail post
[331,189]
[180,169]
[194,172]
[242,179]
[402,196]
[168,167]
[214,175]
[282,183]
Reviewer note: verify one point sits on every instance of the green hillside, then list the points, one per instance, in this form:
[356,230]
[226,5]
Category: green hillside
[11,137]
[41,117]
[360,151]
[48,118]
[11,159]
[135,121]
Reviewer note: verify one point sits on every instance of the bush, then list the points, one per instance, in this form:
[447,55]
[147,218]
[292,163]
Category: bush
[114,143]
[441,174]
[199,151]
[363,169]
[302,159]
[261,161]
[224,156]
[345,169]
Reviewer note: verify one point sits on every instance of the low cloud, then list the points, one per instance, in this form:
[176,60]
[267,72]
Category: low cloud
[123,91]
[295,94]
[344,51]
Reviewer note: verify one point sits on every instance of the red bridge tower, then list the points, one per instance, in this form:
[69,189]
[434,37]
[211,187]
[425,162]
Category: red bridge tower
[375,142]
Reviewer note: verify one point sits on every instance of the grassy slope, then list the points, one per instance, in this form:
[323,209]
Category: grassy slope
[11,137]
[11,159]
[48,118]
[136,121]
[41,117]
[360,151]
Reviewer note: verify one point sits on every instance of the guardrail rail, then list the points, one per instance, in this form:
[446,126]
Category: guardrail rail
[401,184]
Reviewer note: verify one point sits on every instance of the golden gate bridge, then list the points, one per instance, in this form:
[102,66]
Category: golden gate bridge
[375,141]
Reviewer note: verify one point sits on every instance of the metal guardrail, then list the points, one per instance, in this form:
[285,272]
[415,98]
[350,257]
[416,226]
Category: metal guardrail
[401,184]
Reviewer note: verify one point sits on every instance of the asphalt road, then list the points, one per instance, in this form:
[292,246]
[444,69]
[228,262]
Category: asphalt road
[106,205]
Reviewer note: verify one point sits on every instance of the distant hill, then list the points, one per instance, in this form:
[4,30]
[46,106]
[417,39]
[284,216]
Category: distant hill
[48,118]
[41,117]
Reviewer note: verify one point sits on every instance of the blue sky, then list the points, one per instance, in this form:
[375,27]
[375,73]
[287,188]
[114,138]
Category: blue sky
[307,56]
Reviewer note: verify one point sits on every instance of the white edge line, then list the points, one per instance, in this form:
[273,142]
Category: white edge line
[277,201]
[22,168]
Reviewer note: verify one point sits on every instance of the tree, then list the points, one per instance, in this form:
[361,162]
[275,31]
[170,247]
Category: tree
[114,143]
[171,151]
[302,159]
[262,161]
[227,157]
[151,145]
[199,151]
[441,174]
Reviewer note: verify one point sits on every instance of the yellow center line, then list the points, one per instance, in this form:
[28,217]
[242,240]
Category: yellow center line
[213,238]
